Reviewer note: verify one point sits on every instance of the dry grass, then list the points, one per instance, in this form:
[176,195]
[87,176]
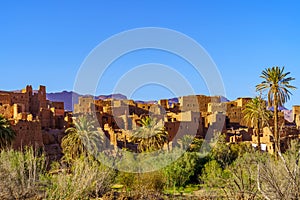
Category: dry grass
[20,174]
[85,179]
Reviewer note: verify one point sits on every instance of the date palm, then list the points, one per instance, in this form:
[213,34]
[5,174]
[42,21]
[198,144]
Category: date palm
[256,115]
[185,141]
[82,139]
[7,135]
[277,84]
[150,136]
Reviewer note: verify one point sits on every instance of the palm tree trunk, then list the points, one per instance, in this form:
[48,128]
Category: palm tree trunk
[258,136]
[276,134]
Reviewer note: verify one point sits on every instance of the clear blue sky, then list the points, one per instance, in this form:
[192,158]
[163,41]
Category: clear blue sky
[45,42]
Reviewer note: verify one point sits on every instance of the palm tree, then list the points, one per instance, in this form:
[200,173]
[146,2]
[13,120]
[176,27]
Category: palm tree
[256,115]
[185,141]
[150,136]
[7,135]
[277,82]
[81,139]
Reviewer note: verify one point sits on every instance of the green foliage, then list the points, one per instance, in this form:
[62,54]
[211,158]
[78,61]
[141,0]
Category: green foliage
[222,153]
[256,114]
[20,174]
[179,172]
[186,141]
[277,84]
[7,135]
[151,136]
[225,153]
[126,179]
[82,139]
[213,174]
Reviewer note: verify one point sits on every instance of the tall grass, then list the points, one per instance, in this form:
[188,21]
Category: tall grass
[20,174]
[85,179]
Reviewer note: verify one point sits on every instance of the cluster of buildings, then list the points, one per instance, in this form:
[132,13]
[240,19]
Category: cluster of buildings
[196,115]
[35,119]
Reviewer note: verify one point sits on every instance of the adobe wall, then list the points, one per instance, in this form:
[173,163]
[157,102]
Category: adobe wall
[84,105]
[242,102]
[28,133]
[216,107]
[46,119]
[5,98]
[7,111]
[297,121]
[197,103]
[58,105]
[21,98]
[164,103]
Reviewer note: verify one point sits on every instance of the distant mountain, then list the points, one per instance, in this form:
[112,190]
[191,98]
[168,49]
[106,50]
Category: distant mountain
[224,99]
[66,97]
[111,96]
[146,102]
[173,100]
[70,98]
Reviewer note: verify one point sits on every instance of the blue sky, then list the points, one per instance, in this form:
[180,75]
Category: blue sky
[45,42]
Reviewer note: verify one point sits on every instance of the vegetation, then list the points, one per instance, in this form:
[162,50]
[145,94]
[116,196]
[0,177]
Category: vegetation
[195,169]
[85,179]
[256,115]
[6,133]
[81,139]
[277,84]
[20,174]
[151,136]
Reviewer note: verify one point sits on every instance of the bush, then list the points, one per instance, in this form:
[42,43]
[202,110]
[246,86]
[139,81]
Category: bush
[20,174]
[180,171]
[213,174]
[84,179]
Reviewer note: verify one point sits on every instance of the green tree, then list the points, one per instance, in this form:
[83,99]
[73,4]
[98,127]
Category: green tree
[181,171]
[213,175]
[256,115]
[150,136]
[7,135]
[277,83]
[81,139]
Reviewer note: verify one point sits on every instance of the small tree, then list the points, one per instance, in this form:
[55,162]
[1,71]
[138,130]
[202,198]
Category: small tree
[179,172]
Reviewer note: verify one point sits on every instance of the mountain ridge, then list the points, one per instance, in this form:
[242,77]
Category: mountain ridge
[69,98]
